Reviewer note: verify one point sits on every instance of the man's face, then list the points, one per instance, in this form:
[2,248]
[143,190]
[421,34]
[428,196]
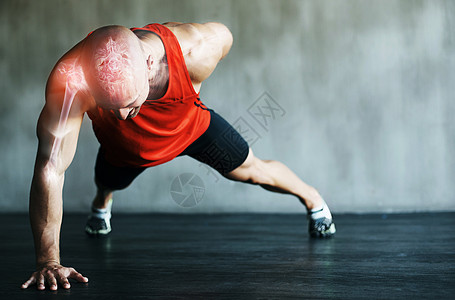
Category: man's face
[129,108]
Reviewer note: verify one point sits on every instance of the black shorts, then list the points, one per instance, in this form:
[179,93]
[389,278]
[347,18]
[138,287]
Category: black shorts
[220,147]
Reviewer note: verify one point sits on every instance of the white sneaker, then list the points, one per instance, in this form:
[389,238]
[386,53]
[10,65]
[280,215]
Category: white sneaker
[99,221]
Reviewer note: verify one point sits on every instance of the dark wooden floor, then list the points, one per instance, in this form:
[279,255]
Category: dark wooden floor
[243,256]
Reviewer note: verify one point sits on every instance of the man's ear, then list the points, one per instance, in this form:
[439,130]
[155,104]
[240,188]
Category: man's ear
[149,62]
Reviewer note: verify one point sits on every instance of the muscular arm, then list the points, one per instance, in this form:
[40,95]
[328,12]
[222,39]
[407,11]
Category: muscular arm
[203,46]
[47,184]
[46,191]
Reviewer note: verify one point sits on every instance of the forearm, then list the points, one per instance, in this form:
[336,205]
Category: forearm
[46,219]
[46,213]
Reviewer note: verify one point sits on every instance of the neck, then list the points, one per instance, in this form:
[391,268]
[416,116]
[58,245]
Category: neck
[158,79]
[158,72]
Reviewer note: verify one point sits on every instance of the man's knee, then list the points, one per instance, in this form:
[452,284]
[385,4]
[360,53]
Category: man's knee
[110,186]
[253,171]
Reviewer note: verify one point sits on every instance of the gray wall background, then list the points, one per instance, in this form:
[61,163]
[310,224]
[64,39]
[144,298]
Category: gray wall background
[366,87]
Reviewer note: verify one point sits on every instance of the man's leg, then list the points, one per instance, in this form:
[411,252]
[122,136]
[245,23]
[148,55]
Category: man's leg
[275,176]
[99,220]
[108,178]
[103,196]
[224,149]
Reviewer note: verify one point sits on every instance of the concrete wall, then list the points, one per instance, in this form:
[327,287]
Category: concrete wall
[363,91]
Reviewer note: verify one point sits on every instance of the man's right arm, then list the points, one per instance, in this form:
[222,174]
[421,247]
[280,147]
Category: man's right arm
[46,191]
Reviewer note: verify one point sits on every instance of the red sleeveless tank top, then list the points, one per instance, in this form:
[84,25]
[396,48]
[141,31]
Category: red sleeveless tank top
[164,127]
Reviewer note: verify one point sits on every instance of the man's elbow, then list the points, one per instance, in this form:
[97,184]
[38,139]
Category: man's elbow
[229,38]
[225,35]
[48,170]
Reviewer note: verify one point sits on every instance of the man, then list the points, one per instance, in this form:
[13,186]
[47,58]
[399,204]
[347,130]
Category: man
[140,88]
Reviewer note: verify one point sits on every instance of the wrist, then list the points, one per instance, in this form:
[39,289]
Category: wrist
[47,263]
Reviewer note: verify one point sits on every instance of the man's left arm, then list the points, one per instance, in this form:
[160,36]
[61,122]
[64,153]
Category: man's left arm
[203,46]
[224,36]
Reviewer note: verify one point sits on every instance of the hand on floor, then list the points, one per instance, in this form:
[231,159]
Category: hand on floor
[52,275]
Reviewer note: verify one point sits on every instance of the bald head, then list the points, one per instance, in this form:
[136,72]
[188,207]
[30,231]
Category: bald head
[115,65]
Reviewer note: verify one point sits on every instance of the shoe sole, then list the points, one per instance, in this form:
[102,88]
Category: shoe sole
[90,231]
[324,234]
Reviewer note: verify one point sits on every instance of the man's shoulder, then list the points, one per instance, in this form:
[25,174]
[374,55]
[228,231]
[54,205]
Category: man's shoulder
[67,75]
[66,63]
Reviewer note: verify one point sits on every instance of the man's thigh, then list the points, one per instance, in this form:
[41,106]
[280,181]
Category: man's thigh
[220,147]
[112,177]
